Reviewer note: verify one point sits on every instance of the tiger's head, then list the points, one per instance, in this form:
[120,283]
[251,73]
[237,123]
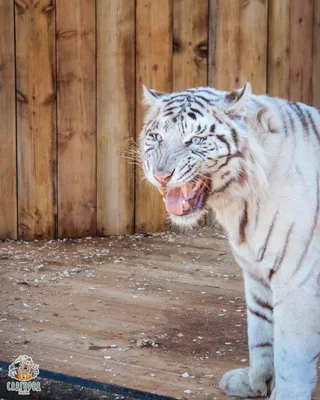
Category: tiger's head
[192,145]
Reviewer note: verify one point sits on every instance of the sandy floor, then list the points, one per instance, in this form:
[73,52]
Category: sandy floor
[162,313]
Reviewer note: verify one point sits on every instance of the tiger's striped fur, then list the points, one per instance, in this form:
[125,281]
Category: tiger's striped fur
[262,156]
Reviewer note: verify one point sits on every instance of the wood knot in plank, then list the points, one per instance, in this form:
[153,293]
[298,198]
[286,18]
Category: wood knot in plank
[21,97]
[91,205]
[201,49]
[89,134]
[49,99]
[66,134]
[24,227]
[244,3]
[49,8]
[66,34]
[22,4]
[176,45]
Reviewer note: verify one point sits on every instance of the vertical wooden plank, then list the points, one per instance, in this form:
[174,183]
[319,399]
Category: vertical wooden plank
[8,187]
[242,44]
[227,45]
[76,79]
[301,42]
[253,43]
[316,56]
[190,44]
[212,41]
[115,115]
[279,48]
[154,69]
[35,70]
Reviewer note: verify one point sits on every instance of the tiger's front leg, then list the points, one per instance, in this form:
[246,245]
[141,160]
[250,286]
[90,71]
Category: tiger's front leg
[257,380]
[297,343]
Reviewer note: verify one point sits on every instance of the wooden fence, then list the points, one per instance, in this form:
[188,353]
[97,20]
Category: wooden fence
[70,96]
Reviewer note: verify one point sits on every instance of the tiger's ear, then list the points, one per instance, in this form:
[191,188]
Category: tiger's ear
[236,101]
[151,97]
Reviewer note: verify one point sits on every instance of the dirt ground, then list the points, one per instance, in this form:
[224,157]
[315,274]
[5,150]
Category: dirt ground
[162,313]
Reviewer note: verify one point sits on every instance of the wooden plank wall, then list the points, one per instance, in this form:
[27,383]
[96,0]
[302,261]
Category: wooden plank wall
[36,118]
[76,117]
[115,116]
[8,187]
[71,75]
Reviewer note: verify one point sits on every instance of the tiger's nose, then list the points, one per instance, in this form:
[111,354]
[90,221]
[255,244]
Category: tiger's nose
[163,178]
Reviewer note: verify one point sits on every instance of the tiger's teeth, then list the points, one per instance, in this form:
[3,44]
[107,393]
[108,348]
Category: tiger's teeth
[197,186]
[185,204]
[164,200]
[184,190]
[161,190]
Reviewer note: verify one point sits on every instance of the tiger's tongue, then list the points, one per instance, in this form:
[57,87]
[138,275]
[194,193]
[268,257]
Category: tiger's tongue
[174,199]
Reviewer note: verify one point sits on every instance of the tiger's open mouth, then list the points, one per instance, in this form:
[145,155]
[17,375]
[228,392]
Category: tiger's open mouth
[188,198]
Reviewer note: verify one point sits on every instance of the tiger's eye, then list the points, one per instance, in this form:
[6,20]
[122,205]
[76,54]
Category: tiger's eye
[157,137]
[196,140]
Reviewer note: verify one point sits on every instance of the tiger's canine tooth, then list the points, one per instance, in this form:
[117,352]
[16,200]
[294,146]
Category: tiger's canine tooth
[161,190]
[164,200]
[185,204]
[184,190]
[197,186]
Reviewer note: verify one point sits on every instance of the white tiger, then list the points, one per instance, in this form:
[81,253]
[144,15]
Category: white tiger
[256,161]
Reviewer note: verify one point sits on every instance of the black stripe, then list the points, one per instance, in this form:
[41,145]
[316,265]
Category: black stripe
[202,98]
[192,115]
[179,100]
[166,109]
[259,279]
[228,158]
[168,113]
[223,140]
[280,257]
[264,248]
[198,153]
[313,125]
[262,345]
[300,114]
[260,315]
[261,303]
[186,172]
[196,111]
[149,149]
[217,117]
[200,131]
[284,122]
[235,137]
[224,187]
[313,359]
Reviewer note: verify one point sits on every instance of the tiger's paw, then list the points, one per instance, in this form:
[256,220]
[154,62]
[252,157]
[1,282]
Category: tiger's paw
[239,383]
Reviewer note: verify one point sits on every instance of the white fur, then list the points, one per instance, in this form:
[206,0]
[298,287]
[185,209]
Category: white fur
[278,246]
